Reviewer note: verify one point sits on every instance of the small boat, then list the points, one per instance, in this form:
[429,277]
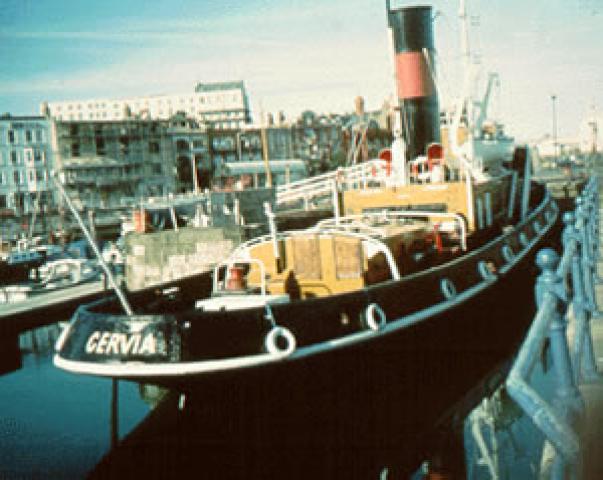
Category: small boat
[415,290]
[19,260]
[51,276]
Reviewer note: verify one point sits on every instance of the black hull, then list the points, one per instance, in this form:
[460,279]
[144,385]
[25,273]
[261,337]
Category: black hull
[10,274]
[347,414]
[377,390]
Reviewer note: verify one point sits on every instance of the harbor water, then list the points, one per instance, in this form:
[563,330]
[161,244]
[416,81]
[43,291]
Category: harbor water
[54,424]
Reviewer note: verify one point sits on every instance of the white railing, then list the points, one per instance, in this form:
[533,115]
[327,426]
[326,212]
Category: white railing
[243,252]
[359,221]
[320,186]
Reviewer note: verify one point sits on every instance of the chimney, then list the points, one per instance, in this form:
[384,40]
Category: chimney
[359,106]
[45,110]
[414,60]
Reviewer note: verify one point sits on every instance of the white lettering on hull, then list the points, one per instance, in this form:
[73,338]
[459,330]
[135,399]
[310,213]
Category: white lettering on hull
[110,343]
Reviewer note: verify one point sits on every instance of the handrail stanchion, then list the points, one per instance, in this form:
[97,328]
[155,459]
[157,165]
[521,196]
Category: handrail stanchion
[570,402]
[561,423]
[588,264]
[556,427]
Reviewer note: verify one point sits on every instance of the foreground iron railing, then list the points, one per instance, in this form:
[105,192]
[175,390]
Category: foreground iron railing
[564,290]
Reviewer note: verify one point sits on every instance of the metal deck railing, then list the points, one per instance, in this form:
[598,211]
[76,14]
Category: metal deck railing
[321,186]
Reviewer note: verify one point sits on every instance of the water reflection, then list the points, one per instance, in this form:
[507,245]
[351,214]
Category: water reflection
[54,424]
[228,431]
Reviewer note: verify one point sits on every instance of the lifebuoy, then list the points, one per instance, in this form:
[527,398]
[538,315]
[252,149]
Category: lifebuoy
[375,317]
[277,335]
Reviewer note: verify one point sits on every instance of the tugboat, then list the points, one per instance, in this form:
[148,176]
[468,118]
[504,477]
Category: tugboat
[414,291]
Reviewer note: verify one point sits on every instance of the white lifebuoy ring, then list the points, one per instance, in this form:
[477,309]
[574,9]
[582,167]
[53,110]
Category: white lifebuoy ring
[485,271]
[448,288]
[507,253]
[277,335]
[375,317]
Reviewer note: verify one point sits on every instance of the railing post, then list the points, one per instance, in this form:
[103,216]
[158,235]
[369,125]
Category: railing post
[549,282]
[588,270]
[583,358]
[569,404]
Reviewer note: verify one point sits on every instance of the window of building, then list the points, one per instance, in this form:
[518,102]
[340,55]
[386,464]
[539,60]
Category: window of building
[75,150]
[31,176]
[37,155]
[11,136]
[2,197]
[13,157]
[156,168]
[17,177]
[28,136]
[100,145]
[39,136]
[27,155]
[124,145]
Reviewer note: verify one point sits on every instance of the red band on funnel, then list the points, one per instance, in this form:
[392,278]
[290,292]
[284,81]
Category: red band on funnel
[413,76]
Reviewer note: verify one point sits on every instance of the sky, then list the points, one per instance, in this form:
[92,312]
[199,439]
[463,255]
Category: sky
[296,55]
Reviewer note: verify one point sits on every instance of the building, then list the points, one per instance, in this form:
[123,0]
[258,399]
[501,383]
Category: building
[26,163]
[241,155]
[226,106]
[194,169]
[105,164]
[221,105]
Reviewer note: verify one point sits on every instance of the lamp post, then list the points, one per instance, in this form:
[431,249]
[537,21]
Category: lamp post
[554,100]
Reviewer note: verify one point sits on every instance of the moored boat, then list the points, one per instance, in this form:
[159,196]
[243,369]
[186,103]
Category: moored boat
[419,280]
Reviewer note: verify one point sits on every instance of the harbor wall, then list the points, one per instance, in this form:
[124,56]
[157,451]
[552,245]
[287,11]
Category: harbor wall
[160,257]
